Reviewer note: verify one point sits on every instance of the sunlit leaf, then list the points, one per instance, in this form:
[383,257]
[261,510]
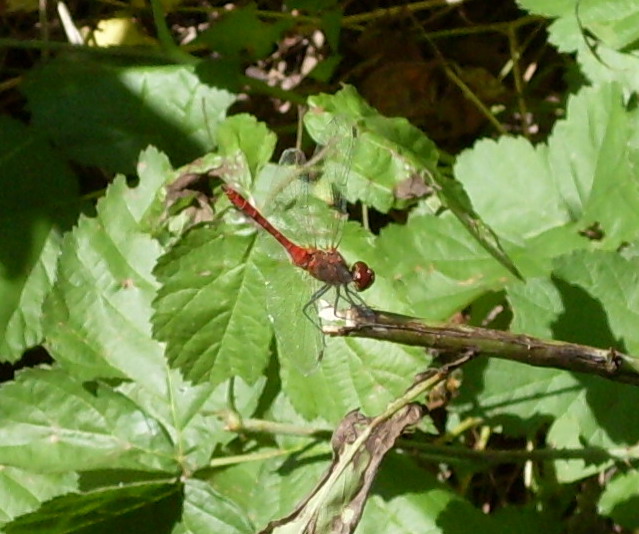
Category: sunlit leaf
[22,491]
[52,423]
[210,309]
[207,510]
[617,497]
[98,314]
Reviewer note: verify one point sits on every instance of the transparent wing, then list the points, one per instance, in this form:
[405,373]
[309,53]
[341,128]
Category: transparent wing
[286,187]
[305,201]
[337,158]
[309,196]
[299,342]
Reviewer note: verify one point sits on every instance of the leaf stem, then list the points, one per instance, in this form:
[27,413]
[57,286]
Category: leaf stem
[432,451]
[253,457]
[385,13]
[164,36]
[273,427]
[499,27]
[449,453]
[515,57]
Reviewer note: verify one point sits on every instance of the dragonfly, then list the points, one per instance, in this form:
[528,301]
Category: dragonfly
[325,264]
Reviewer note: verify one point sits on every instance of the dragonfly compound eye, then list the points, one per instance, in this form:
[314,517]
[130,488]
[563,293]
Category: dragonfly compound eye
[363,276]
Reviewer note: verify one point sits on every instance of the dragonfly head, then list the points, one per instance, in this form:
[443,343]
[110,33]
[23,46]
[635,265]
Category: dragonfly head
[362,275]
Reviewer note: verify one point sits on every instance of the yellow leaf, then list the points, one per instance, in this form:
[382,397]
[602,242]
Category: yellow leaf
[117,31]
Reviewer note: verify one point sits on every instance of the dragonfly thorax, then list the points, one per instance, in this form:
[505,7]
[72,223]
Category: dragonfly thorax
[330,267]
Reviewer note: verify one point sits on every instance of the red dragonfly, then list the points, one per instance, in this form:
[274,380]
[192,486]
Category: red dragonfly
[324,264]
[327,266]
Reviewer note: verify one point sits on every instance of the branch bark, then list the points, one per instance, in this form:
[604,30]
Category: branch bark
[462,339]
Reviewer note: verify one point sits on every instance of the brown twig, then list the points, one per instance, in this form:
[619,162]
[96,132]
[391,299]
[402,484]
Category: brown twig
[461,339]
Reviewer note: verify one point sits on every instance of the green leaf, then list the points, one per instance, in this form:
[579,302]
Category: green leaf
[222,72]
[24,327]
[151,507]
[615,22]
[190,414]
[243,133]
[605,37]
[389,152]
[513,211]
[616,26]
[548,8]
[609,66]
[436,265]
[591,299]
[37,203]
[351,372]
[84,107]
[97,315]
[210,309]
[22,491]
[386,151]
[53,423]
[422,505]
[609,285]
[331,24]
[603,188]
[270,488]
[539,190]
[206,510]
[619,497]
[535,306]
[241,32]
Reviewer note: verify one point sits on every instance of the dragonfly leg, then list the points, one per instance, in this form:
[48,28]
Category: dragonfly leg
[353,298]
[338,296]
[313,300]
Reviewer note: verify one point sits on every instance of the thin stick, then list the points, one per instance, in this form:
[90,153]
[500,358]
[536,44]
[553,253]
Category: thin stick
[519,83]
[460,339]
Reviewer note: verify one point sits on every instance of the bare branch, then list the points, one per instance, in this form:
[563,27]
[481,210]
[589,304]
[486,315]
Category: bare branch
[462,339]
